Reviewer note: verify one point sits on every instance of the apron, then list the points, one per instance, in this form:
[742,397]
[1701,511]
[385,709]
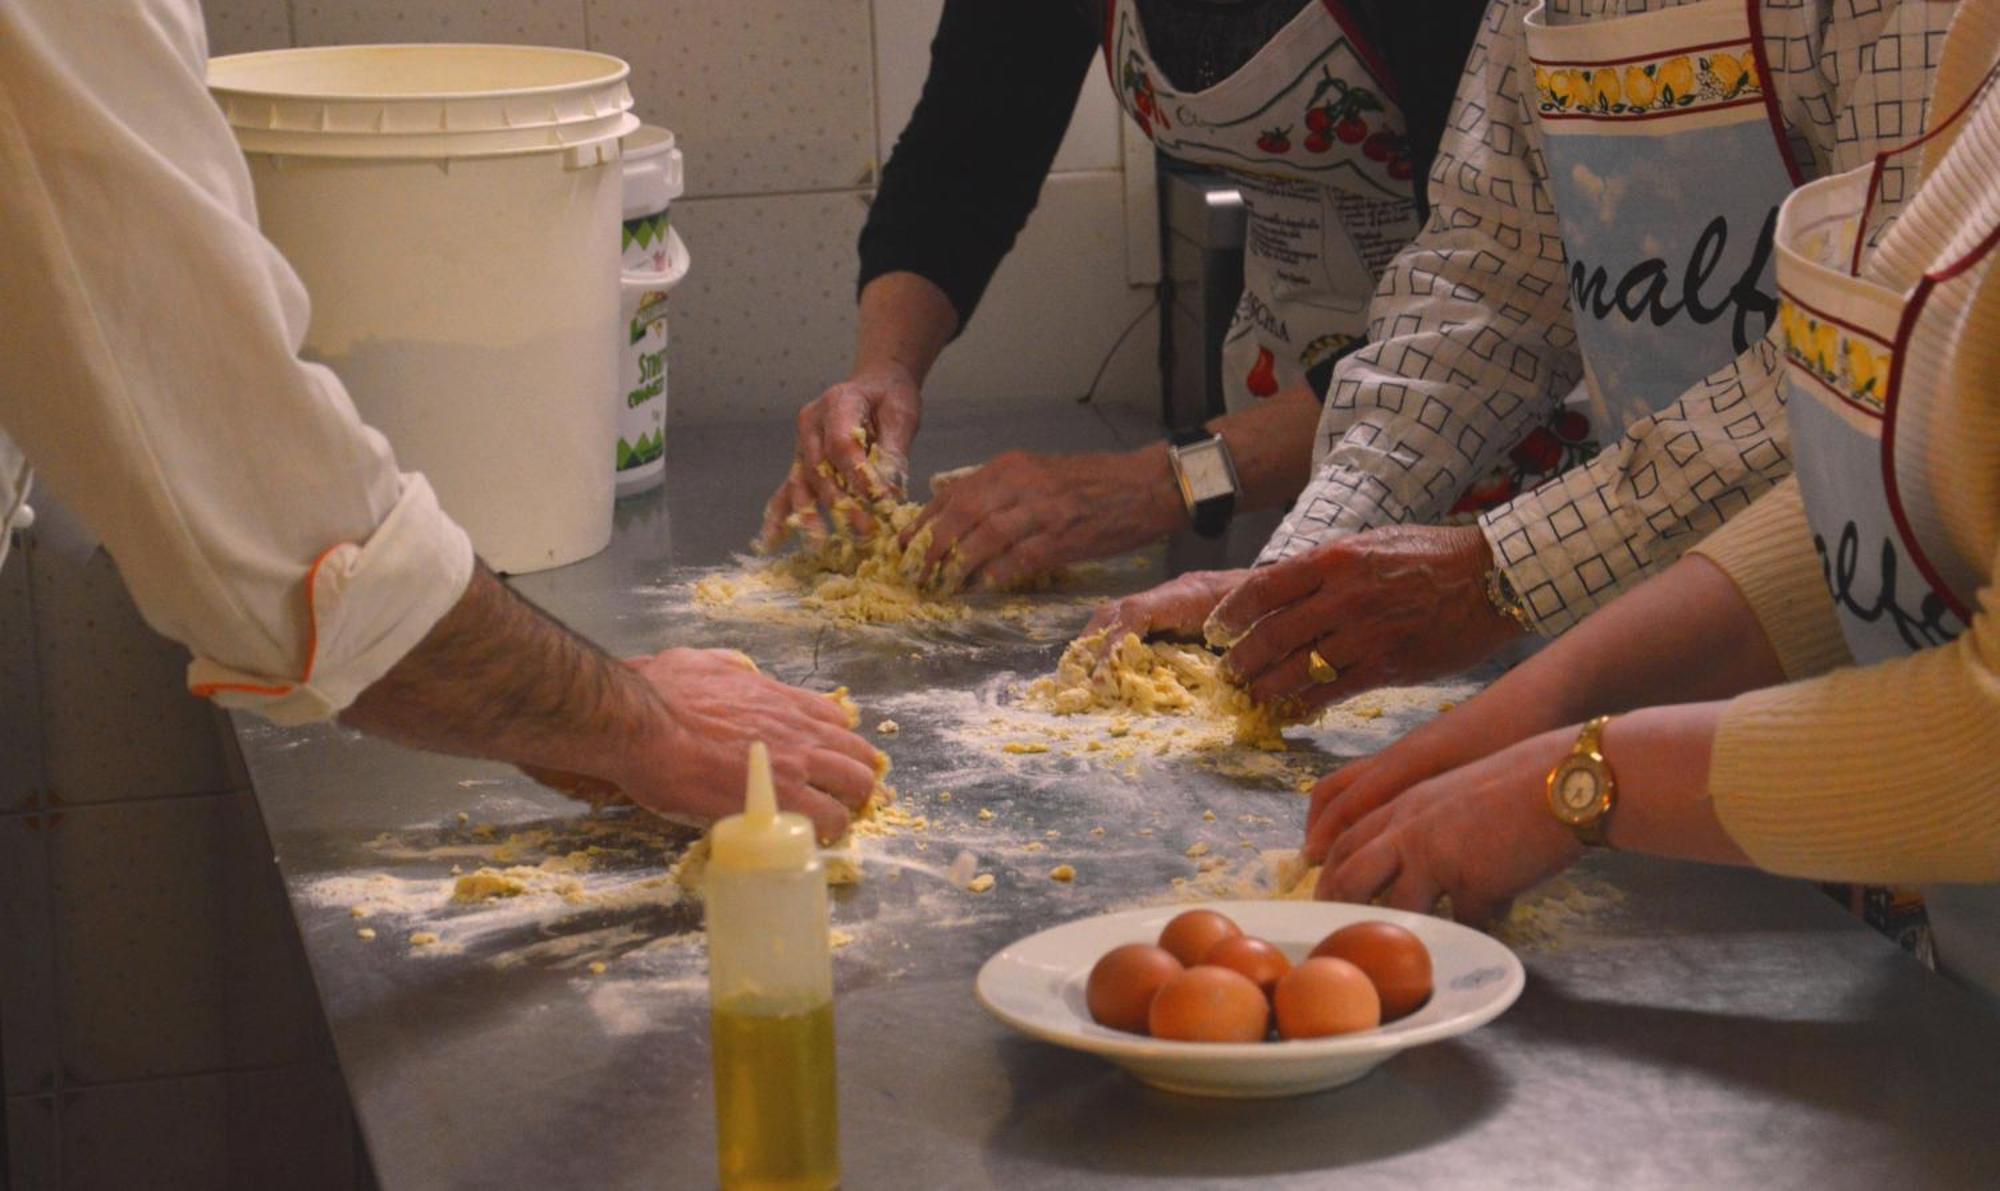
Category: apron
[1861,442]
[1666,164]
[1310,134]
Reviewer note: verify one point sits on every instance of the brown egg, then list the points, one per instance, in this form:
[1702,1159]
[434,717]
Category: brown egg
[1190,936]
[1121,986]
[1323,997]
[1264,964]
[1210,1004]
[1394,959]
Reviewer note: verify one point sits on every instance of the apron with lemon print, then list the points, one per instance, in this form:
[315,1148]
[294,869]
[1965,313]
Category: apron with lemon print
[1666,164]
[1863,430]
[1308,131]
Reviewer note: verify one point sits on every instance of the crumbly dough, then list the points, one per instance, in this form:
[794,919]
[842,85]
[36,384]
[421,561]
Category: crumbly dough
[983,883]
[1063,873]
[486,884]
[1152,678]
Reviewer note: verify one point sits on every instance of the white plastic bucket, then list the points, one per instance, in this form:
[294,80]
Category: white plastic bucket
[655,260]
[454,213]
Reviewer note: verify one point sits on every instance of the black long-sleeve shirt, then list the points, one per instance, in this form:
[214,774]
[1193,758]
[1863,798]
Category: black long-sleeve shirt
[1004,79]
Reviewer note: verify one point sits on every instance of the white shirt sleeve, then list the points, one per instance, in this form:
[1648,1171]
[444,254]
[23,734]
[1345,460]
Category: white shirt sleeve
[149,369]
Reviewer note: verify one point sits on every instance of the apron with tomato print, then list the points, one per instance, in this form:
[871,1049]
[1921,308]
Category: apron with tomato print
[1864,430]
[1309,133]
[1666,166]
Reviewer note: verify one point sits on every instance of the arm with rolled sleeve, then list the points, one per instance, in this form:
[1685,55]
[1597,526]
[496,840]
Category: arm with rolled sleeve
[1852,83]
[149,369]
[1470,341]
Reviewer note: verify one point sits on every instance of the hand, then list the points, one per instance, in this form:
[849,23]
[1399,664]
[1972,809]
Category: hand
[1175,608]
[1500,716]
[1022,516]
[1400,604]
[1480,834]
[832,467]
[716,704]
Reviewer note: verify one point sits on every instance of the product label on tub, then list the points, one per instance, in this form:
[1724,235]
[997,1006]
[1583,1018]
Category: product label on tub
[645,244]
[642,417]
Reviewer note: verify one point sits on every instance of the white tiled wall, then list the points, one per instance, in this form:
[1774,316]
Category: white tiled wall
[785,110]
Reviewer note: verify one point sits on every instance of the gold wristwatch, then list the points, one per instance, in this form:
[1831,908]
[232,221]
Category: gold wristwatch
[1582,789]
[1506,601]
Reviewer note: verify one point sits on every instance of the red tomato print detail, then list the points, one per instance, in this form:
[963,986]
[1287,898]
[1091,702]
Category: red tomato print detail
[1399,169]
[1276,140]
[1538,453]
[1351,130]
[1318,142]
[1496,489]
[1379,146]
[1319,119]
[1572,427]
[1263,378]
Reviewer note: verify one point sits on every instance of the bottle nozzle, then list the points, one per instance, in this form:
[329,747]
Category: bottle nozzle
[760,799]
[761,837]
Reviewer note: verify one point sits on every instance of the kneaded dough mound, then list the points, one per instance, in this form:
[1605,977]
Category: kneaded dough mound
[1152,678]
[872,580]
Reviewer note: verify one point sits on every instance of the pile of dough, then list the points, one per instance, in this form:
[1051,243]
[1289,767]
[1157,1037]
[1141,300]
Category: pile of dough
[876,579]
[1152,678]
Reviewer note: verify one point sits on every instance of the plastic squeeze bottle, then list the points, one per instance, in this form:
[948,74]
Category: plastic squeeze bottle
[770,988]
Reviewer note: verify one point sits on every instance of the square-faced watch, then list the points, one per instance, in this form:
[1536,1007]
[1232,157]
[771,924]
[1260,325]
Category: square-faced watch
[1582,789]
[1206,472]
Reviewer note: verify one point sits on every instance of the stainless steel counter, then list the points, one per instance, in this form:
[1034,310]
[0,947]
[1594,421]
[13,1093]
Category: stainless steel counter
[1682,1027]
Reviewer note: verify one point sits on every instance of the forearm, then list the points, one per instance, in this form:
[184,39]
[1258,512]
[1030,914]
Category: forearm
[1685,636]
[906,320]
[1272,443]
[1661,758]
[498,678]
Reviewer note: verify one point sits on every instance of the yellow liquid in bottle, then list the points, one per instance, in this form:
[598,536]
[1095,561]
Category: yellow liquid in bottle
[776,1125]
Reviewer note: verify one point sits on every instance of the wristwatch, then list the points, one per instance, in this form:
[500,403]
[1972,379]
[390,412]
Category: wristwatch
[1206,473]
[1506,601]
[1582,789]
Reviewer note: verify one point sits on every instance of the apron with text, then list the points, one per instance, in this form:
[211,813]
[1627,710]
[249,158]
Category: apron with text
[1666,165]
[1308,131]
[1862,432]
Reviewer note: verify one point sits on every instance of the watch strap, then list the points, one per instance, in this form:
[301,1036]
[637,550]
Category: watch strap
[1506,601]
[1210,517]
[1590,743]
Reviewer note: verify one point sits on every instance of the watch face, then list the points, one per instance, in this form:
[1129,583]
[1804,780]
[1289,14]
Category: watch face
[1205,472]
[1577,790]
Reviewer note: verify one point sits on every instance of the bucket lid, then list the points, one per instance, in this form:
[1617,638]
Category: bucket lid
[422,101]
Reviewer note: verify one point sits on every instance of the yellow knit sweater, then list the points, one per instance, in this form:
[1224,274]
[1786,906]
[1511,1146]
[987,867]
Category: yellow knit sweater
[1891,772]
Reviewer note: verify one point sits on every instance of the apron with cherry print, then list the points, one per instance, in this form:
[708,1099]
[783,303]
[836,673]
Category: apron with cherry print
[1310,135]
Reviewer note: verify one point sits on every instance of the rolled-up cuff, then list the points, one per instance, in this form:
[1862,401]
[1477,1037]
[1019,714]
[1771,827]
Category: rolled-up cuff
[368,605]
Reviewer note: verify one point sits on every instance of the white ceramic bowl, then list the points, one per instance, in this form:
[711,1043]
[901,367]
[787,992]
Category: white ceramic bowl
[1037,986]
